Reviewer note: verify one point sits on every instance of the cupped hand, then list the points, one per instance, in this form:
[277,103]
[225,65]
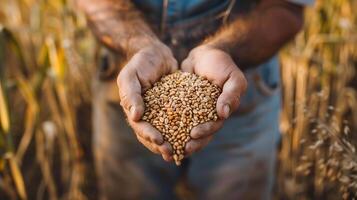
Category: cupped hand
[144,68]
[218,67]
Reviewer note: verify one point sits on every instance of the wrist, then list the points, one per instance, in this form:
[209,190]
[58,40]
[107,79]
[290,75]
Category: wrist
[222,45]
[139,43]
[152,53]
[213,48]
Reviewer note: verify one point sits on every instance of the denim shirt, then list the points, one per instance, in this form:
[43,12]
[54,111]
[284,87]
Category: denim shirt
[192,19]
[184,23]
[178,10]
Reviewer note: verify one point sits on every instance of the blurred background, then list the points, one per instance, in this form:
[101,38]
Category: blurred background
[47,56]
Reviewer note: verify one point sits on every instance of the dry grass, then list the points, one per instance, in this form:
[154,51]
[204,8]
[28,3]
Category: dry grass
[319,106]
[47,55]
[43,80]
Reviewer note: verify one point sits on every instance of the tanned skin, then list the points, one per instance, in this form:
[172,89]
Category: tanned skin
[118,25]
[251,38]
[256,37]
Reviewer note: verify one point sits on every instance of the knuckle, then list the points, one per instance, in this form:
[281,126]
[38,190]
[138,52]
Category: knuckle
[207,127]
[144,55]
[224,99]
[154,148]
[145,136]
[124,100]
[141,54]
[119,78]
[199,135]
[201,131]
[199,128]
[156,139]
[142,59]
[153,138]
[145,132]
[166,53]
[165,151]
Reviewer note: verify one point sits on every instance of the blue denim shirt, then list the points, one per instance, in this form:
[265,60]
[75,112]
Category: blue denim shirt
[182,17]
[178,10]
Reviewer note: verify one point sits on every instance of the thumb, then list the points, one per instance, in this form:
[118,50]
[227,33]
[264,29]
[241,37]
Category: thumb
[229,99]
[187,65]
[130,94]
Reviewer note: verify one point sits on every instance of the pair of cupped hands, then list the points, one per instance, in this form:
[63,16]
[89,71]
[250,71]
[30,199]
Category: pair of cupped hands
[152,62]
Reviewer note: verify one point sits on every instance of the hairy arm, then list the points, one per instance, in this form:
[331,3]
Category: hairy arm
[118,25]
[255,37]
[251,40]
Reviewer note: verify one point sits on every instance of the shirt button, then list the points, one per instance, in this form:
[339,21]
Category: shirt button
[174,41]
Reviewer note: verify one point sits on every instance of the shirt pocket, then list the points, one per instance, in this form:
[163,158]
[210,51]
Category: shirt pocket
[263,83]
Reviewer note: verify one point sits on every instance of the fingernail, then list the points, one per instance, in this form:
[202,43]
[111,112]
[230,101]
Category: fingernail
[193,132]
[194,135]
[226,111]
[158,141]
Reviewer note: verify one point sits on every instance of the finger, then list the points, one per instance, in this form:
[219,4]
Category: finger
[206,129]
[166,151]
[167,159]
[229,99]
[130,94]
[153,148]
[172,64]
[147,132]
[187,65]
[196,145]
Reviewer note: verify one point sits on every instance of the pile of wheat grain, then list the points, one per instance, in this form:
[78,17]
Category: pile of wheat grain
[176,104]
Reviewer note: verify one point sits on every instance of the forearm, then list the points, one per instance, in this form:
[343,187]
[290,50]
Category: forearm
[118,24]
[255,38]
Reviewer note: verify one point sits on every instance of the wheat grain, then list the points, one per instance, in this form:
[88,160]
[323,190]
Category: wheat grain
[176,104]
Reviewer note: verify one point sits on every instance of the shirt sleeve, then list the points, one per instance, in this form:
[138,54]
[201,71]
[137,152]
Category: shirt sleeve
[302,2]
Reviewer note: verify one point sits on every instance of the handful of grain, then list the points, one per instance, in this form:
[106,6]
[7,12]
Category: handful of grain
[176,104]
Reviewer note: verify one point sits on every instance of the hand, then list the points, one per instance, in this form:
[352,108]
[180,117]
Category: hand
[218,67]
[145,67]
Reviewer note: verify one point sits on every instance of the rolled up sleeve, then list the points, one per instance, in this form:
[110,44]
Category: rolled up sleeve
[302,2]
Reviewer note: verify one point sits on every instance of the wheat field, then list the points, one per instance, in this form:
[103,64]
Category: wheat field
[47,56]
